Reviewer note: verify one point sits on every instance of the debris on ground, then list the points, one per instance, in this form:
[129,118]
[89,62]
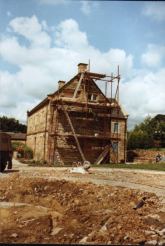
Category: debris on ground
[78,170]
[39,210]
[81,168]
[140,203]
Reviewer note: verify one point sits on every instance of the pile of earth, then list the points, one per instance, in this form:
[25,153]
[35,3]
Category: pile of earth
[37,210]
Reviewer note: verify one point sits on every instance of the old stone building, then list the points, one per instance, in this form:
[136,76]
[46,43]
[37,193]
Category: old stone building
[78,122]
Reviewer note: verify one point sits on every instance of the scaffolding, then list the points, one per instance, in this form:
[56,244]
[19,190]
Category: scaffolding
[67,105]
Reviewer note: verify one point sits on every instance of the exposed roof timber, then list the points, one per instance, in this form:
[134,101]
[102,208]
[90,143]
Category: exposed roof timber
[96,75]
[93,105]
[89,75]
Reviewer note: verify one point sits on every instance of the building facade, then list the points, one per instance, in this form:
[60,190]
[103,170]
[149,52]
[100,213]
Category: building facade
[78,122]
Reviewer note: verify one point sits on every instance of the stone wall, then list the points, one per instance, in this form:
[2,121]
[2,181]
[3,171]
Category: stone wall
[144,156]
[37,132]
[37,121]
[122,142]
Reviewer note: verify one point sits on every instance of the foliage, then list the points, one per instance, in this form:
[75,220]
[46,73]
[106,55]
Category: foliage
[23,150]
[16,145]
[145,135]
[11,125]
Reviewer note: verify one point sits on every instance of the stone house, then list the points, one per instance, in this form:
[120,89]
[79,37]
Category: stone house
[78,122]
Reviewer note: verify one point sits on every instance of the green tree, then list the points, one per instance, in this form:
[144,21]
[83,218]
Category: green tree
[144,134]
[11,125]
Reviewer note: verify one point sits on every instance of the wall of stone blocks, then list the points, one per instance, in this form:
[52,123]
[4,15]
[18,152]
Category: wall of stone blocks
[37,121]
[122,142]
[37,132]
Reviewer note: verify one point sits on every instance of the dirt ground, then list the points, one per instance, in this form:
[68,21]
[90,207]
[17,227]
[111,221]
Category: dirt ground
[52,205]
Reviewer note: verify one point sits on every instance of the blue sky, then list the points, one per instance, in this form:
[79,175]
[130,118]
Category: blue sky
[42,41]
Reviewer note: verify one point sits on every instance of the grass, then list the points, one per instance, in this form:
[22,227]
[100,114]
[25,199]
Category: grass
[143,166]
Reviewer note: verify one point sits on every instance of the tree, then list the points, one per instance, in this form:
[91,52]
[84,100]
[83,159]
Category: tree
[11,125]
[144,134]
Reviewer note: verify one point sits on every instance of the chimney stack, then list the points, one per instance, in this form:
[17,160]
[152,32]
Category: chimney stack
[61,83]
[82,67]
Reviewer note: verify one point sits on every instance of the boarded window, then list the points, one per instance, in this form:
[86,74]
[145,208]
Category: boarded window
[115,146]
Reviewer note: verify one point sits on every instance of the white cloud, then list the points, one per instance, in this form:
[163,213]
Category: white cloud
[144,94]
[52,2]
[31,29]
[155,10]
[40,66]
[86,7]
[154,55]
[69,36]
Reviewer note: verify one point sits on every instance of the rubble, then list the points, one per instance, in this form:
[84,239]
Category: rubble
[140,203]
[78,170]
[81,168]
[39,210]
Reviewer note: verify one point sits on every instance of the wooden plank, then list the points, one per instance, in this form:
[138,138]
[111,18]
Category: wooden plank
[96,75]
[74,134]
[102,155]
[84,136]
[78,85]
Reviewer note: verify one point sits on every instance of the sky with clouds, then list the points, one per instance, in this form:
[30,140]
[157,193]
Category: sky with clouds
[42,41]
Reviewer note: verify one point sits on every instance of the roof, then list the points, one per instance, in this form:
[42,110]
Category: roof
[40,105]
[90,75]
[81,63]
[17,136]
[78,76]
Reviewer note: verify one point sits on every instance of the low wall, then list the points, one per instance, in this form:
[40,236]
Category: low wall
[143,156]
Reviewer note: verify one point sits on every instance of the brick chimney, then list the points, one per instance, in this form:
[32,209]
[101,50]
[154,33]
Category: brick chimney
[61,83]
[82,67]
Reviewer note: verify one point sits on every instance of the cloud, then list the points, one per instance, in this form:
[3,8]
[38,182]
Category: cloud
[31,29]
[86,7]
[52,2]
[69,36]
[154,55]
[40,66]
[143,95]
[155,10]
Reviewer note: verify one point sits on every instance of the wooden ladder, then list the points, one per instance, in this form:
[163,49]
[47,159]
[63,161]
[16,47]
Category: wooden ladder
[102,155]
[74,134]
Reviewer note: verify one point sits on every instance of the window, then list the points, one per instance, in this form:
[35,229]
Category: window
[115,127]
[92,97]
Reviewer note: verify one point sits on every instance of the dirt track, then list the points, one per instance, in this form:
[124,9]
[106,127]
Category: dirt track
[150,181]
[51,205]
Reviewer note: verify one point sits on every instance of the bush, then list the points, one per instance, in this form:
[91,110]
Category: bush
[28,153]
[16,145]
[23,150]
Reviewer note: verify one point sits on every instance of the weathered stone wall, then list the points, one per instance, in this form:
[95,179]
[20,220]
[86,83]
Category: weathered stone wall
[47,136]
[37,121]
[122,136]
[144,156]
[37,131]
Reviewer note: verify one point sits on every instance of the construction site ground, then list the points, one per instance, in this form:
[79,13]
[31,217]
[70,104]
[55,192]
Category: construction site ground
[52,205]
